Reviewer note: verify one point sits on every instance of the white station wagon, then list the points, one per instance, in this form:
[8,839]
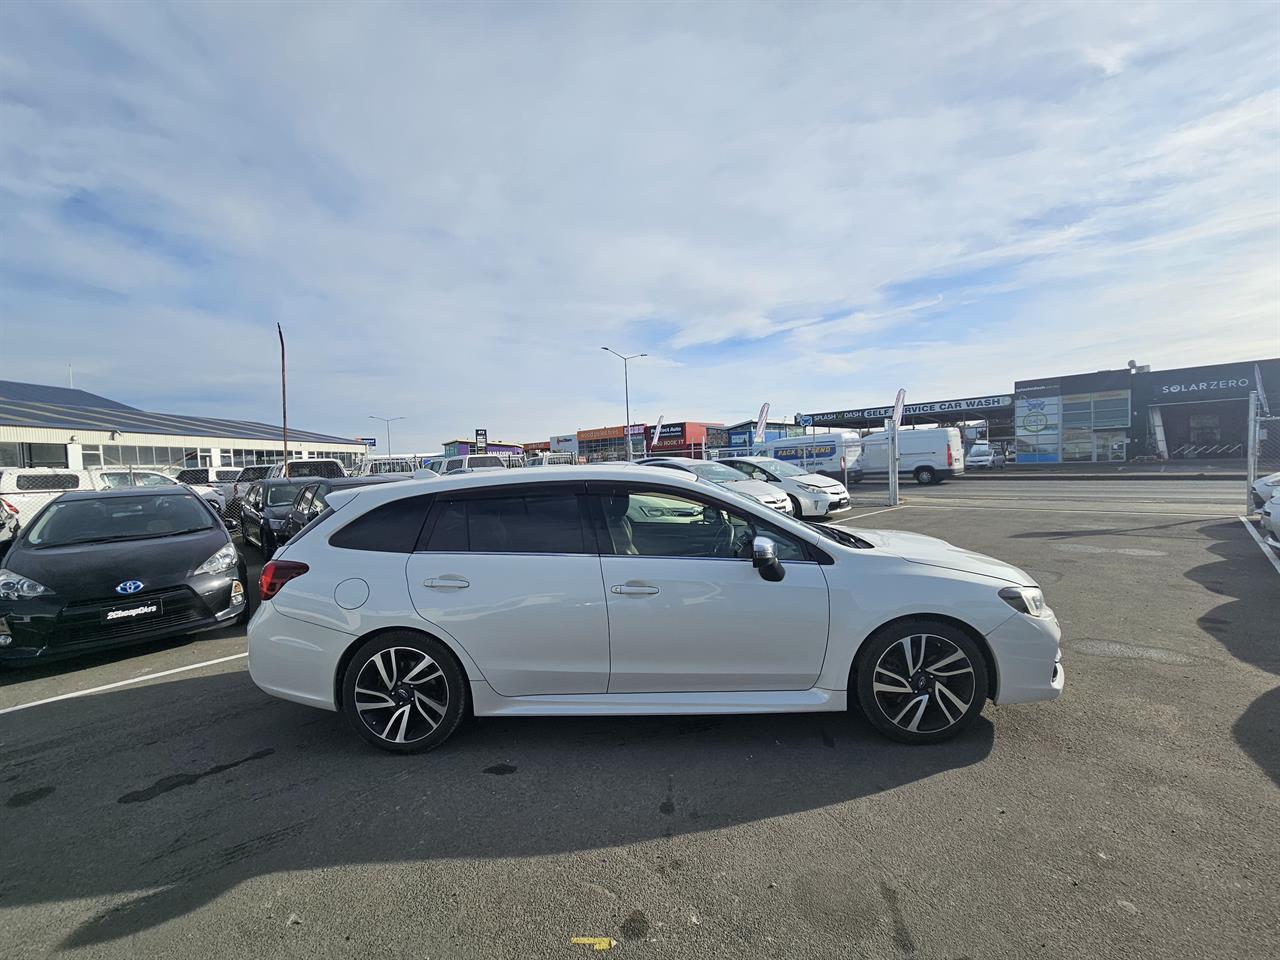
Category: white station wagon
[615,590]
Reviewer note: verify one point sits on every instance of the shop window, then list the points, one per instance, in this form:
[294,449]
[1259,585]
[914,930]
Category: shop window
[10,455]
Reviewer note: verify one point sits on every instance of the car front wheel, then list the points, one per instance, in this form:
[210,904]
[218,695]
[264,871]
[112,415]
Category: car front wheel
[921,681]
[404,692]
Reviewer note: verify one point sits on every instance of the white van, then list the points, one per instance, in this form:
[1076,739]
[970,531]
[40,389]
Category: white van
[931,455]
[834,455]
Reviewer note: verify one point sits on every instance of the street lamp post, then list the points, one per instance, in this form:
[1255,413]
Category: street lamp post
[388,421]
[626,391]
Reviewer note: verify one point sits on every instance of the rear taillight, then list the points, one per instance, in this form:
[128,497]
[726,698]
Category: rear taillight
[276,574]
[9,506]
[950,457]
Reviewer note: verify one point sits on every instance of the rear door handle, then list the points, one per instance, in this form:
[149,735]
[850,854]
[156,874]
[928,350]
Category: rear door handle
[632,590]
[450,583]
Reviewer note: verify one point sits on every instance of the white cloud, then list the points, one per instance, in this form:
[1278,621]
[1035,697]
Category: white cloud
[451,207]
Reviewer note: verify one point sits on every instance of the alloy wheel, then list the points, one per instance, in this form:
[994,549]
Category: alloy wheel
[923,683]
[401,695]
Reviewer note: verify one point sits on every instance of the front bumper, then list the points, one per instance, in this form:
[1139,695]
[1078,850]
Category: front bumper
[1028,658]
[49,629]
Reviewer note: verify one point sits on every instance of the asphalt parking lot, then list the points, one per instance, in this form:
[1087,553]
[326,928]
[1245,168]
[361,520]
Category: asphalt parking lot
[191,815]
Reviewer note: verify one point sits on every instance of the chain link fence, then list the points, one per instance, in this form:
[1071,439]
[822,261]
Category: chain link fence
[1263,458]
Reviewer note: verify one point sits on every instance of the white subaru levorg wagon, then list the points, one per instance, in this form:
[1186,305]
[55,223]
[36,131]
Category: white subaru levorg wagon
[631,590]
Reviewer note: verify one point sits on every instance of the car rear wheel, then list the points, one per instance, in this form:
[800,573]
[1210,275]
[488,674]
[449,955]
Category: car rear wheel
[926,475]
[404,692]
[921,681]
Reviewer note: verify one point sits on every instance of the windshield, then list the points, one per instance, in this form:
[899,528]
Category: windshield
[282,495]
[484,461]
[717,472]
[118,518]
[780,468]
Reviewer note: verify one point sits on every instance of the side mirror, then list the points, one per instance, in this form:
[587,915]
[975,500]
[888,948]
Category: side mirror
[231,523]
[764,557]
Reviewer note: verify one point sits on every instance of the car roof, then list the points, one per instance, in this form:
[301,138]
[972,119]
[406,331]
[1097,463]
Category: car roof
[683,461]
[750,459]
[568,473]
[352,481]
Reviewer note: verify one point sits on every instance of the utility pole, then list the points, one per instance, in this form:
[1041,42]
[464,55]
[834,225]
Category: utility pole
[626,390]
[284,401]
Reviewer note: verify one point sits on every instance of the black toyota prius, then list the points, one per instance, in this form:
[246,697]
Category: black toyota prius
[100,568]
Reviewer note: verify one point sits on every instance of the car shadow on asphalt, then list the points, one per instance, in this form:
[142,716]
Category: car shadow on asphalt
[160,819]
[1245,623]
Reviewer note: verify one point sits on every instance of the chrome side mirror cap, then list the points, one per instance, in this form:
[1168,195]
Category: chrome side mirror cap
[764,557]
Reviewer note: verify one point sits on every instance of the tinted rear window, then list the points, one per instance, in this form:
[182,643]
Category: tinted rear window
[228,474]
[549,523]
[47,481]
[484,461]
[391,528]
[193,476]
[253,473]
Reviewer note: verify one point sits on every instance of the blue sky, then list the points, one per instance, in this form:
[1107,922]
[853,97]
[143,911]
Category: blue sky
[450,208]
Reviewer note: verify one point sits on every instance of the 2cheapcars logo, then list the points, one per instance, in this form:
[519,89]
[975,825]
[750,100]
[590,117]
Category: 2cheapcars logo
[132,612]
[1205,385]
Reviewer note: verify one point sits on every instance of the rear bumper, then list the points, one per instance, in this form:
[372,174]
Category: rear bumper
[295,660]
[1028,658]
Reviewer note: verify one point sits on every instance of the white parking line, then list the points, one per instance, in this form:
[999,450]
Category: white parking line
[1124,513]
[1257,538]
[122,683]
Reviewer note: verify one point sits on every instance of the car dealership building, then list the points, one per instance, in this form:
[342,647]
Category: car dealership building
[1131,413]
[46,426]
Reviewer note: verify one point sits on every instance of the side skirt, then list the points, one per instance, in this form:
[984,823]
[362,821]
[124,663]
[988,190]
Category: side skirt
[487,703]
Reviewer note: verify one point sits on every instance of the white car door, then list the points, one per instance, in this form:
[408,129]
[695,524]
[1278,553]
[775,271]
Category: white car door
[687,609]
[512,574]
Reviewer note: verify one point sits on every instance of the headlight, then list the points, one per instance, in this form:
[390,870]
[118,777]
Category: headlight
[810,488]
[1028,600]
[14,586]
[223,560]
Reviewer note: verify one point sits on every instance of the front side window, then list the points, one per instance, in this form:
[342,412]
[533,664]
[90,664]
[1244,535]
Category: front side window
[654,523]
[536,523]
[304,501]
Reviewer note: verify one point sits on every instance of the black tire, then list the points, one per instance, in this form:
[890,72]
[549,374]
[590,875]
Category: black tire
[403,653]
[268,543]
[795,507]
[926,476]
[895,698]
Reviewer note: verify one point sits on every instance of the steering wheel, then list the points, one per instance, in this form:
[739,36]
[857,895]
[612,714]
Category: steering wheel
[740,546]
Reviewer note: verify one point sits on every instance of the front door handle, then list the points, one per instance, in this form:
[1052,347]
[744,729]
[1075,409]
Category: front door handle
[633,590]
[448,583]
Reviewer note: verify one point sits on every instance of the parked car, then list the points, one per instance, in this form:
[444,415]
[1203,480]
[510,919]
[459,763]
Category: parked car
[407,606]
[983,456]
[836,455]
[726,477]
[319,467]
[1270,520]
[811,494]
[311,501]
[8,523]
[223,478]
[30,488]
[243,479]
[1264,488]
[98,568]
[111,478]
[263,509]
[930,455]
[550,460]
[376,466]
[470,462]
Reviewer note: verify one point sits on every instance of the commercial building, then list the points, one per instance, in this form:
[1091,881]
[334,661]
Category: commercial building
[742,435]
[689,438]
[1109,415]
[460,448]
[1135,413]
[46,426]
[608,443]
